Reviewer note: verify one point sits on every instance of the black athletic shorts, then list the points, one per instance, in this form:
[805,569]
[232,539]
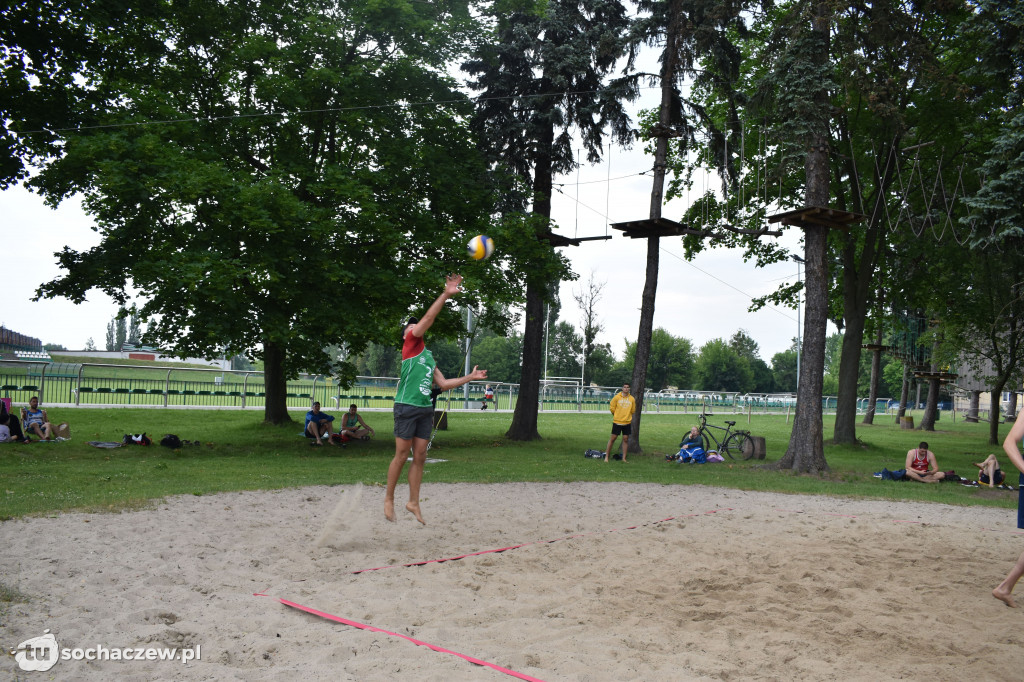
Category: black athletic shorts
[623,429]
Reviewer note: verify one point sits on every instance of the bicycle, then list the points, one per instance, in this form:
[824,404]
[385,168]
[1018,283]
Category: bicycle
[735,444]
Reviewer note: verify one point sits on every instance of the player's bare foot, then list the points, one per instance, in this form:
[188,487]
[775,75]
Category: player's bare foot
[414,509]
[389,510]
[605,460]
[1004,597]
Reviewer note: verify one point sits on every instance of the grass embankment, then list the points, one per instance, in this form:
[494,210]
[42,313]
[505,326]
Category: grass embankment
[240,453]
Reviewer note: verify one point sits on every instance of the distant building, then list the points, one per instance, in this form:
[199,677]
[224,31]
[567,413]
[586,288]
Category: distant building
[15,346]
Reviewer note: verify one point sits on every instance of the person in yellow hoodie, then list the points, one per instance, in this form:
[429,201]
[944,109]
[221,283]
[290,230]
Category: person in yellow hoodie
[622,406]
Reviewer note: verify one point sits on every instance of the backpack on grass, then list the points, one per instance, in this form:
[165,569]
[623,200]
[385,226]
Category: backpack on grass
[136,439]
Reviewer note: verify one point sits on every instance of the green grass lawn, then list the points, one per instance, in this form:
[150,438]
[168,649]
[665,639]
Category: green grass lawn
[241,453]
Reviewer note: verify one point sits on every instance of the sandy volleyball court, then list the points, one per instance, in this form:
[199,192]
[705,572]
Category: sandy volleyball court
[735,586]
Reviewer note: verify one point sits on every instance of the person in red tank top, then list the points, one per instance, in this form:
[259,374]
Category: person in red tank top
[921,465]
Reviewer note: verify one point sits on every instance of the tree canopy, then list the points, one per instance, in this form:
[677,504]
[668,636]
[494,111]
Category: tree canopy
[279,176]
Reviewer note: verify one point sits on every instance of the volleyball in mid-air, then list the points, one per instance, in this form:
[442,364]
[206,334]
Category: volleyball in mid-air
[480,247]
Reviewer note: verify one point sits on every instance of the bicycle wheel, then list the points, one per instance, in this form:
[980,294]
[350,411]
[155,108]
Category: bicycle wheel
[739,446]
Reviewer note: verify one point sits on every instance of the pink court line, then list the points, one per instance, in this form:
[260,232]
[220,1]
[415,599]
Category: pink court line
[432,647]
[527,544]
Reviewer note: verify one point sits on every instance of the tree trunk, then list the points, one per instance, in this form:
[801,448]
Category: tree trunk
[524,419]
[1011,409]
[849,371]
[859,271]
[876,373]
[904,393]
[806,450]
[643,340]
[994,413]
[275,410]
[638,385]
[972,408]
[931,406]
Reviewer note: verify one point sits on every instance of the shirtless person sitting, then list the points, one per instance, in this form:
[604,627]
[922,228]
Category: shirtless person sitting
[990,474]
[921,465]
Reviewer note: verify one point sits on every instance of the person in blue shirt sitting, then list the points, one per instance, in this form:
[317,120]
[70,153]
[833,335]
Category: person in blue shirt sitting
[318,425]
[691,449]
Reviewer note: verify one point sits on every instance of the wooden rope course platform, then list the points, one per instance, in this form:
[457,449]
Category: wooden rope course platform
[560,240]
[818,216]
[663,227]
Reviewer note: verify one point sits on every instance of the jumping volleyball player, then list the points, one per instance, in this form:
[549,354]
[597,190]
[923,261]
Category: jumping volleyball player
[414,413]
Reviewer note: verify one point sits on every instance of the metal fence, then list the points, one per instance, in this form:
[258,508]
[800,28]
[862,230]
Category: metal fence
[90,384]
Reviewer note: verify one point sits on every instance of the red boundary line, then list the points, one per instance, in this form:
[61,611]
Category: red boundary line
[536,542]
[432,647]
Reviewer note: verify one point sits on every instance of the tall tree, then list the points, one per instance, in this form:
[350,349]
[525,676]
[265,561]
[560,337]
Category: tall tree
[985,333]
[900,65]
[687,31]
[890,82]
[134,334]
[784,371]
[998,68]
[45,45]
[809,62]
[719,367]
[670,361]
[587,298]
[541,75]
[121,330]
[254,155]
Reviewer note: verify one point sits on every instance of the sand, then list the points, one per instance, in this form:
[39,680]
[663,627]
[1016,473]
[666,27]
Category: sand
[733,586]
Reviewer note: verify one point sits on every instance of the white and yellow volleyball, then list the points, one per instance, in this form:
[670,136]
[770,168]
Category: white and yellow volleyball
[480,247]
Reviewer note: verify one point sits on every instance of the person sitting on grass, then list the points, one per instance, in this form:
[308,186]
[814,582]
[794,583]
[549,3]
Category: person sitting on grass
[921,465]
[351,422]
[13,425]
[35,420]
[318,424]
[692,446]
[990,474]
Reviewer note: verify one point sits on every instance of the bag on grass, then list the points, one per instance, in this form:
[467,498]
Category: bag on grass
[593,454]
[136,439]
[171,441]
[63,431]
